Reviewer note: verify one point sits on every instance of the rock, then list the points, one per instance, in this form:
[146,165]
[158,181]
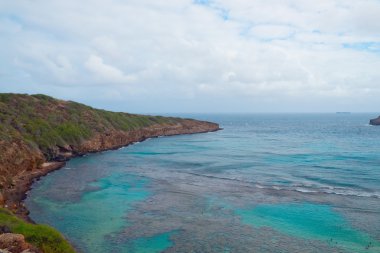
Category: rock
[4,229]
[375,122]
[15,243]
[2,199]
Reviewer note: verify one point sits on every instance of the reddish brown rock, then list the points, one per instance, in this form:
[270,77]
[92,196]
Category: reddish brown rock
[115,139]
[2,199]
[15,243]
[17,158]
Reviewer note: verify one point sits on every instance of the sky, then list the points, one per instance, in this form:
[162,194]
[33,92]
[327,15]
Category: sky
[175,56]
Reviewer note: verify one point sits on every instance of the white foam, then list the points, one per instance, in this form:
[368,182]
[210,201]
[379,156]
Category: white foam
[323,190]
[339,191]
[304,190]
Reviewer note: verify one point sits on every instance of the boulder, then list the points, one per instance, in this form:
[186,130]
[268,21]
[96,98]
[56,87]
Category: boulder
[15,243]
[375,122]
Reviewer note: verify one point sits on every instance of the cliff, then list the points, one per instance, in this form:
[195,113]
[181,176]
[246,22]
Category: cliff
[375,122]
[38,133]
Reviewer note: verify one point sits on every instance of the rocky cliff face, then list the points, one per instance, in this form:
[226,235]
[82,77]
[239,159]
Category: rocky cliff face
[375,122]
[18,160]
[17,157]
[116,138]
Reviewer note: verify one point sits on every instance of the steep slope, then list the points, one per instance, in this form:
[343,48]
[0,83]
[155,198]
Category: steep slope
[38,133]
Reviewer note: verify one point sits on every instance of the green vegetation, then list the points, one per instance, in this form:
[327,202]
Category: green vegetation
[45,122]
[42,236]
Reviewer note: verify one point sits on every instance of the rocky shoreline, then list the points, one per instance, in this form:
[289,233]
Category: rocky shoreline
[375,122]
[13,197]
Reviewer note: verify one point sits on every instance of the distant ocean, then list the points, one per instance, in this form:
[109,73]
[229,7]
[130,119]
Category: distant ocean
[266,183]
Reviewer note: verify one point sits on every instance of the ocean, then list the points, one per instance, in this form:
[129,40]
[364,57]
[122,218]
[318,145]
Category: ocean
[265,183]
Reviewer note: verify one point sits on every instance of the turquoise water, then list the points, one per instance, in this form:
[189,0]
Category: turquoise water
[316,222]
[99,212]
[266,183]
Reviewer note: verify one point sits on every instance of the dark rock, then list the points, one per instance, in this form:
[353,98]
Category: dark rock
[4,229]
[375,122]
[2,199]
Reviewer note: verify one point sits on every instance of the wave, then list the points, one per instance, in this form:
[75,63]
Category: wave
[323,190]
[350,192]
[301,187]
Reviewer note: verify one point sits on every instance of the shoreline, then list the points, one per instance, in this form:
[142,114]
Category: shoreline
[15,197]
[25,183]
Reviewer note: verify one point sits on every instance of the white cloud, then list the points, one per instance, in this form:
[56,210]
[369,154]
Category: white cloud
[164,50]
[269,32]
[106,73]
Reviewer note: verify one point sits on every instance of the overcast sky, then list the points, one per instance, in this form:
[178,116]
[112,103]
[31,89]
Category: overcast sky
[195,56]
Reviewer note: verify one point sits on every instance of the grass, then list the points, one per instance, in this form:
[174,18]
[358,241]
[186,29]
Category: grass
[44,237]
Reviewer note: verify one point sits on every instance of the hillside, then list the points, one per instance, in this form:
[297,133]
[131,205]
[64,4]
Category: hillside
[38,133]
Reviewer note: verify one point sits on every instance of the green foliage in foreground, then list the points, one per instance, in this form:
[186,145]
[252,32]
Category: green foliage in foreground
[42,236]
[45,122]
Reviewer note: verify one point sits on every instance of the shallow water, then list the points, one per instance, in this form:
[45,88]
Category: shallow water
[315,222]
[266,183]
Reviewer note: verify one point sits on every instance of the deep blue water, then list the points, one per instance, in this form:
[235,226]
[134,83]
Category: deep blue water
[266,183]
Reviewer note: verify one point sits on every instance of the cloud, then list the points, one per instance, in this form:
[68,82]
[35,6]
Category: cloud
[270,32]
[242,53]
[106,73]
